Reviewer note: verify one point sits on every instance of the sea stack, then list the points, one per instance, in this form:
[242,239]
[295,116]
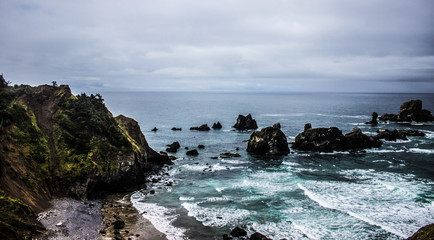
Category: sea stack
[268,141]
[245,123]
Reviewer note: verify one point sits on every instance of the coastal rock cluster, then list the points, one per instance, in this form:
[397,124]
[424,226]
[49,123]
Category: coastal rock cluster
[332,139]
[409,111]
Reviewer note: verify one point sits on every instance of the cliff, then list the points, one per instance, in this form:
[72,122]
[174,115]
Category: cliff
[55,144]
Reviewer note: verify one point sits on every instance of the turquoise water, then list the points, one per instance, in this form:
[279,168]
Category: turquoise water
[384,193]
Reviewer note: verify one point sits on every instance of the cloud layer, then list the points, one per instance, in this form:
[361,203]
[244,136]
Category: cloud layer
[186,45]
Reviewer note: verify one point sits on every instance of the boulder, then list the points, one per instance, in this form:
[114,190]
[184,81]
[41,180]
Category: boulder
[389,135]
[200,146]
[217,125]
[245,122]
[331,139]
[229,155]
[154,129]
[118,224]
[270,141]
[238,232]
[173,147]
[203,127]
[409,111]
[176,129]
[192,152]
[258,236]
[373,121]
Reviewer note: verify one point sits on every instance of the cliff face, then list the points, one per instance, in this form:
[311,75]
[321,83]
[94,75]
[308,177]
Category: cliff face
[56,144]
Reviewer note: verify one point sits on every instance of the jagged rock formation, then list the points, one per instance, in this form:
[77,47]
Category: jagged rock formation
[270,141]
[373,121]
[56,144]
[217,125]
[409,111]
[245,122]
[332,139]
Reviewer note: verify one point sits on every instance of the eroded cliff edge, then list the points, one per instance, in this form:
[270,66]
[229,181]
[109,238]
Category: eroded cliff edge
[55,144]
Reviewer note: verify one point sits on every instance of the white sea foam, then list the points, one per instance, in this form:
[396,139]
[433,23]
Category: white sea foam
[215,217]
[186,198]
[159,216]
[235,162]
[377,150]
[419,150]
[382,199]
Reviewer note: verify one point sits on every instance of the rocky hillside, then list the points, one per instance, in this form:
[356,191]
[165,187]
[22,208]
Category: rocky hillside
[55,144]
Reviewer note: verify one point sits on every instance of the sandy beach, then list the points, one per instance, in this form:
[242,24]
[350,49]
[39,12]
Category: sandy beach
[110,218]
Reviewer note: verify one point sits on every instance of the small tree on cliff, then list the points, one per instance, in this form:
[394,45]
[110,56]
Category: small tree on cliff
[3,82]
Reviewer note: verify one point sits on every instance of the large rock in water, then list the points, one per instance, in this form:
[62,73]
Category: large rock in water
[409,111]
[203,127]
[331,139]
[245,122]
[270,141]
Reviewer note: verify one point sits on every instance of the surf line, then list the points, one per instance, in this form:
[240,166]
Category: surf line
[324,204]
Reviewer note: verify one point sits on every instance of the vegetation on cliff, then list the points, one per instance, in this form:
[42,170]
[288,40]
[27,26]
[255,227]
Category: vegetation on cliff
[56,144]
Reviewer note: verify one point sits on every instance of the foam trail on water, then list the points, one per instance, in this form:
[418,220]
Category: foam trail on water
[419,150]
[376,224]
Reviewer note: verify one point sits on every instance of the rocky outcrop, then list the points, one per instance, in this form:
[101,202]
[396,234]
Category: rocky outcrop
[176,129]
[193,152]
[203,127]
[245,122]
[409,111]
[394,135]
[217,125]
[58,144]
[332,139]
[424,233]
[238,232]
[373,121]
[258,236]
[269,141]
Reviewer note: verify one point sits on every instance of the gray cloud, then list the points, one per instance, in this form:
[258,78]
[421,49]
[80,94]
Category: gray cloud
[168,45]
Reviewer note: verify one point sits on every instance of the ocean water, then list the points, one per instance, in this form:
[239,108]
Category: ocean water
[385,193]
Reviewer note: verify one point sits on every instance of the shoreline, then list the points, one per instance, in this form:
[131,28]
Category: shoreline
[96,219]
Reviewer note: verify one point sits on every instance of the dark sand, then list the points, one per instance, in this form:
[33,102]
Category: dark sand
[75,219]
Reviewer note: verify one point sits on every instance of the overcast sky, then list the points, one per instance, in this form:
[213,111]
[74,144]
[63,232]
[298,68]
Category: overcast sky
[224,45]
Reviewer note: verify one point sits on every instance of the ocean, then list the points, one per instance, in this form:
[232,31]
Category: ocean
[385,193]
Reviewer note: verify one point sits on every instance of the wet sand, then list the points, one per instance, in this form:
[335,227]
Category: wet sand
[75,219]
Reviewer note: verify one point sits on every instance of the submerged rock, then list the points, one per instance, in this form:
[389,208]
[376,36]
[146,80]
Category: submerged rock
[154,129]
[200,146]
[245,122]
[270,141]
[331,139]
[217,125]
[373,121]
[409,111]
[203,127]
[176,129]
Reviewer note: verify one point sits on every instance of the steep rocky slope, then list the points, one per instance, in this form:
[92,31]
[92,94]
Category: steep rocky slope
[55,144]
